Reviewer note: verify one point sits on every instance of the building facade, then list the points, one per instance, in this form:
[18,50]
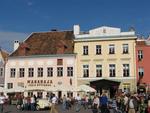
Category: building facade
[3,60]
[44,63]
[106,55]
[142,63]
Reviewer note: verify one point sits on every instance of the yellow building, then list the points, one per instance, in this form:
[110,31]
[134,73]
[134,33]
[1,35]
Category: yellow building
[105,58]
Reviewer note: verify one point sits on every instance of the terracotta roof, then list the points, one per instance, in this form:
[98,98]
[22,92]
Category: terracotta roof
[55,42]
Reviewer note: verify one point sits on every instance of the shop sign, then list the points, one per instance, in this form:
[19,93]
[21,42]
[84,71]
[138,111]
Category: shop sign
[39,82]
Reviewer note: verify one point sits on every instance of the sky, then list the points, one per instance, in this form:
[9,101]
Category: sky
[19,18]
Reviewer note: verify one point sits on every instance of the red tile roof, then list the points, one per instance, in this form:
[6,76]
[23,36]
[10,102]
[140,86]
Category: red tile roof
[55,42]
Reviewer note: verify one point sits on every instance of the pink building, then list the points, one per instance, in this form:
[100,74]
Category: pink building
[143,64]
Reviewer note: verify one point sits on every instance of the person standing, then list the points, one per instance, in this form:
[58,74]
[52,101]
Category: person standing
[95,104]
[131,105]
[2,98]
[104,103]
[32,103]
[53,107]
[64,101]
[78,106]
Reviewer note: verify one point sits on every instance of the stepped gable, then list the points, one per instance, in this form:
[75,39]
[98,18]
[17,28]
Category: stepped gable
[55,42]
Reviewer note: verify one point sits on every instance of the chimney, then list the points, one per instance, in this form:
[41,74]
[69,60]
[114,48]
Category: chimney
[76,29]
[16,44]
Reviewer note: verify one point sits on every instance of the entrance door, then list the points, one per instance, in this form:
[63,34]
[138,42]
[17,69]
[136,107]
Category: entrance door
[59,94]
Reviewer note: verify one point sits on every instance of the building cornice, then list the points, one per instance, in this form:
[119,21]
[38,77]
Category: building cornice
[104,38]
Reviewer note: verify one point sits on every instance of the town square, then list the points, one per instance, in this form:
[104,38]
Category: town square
[74,56]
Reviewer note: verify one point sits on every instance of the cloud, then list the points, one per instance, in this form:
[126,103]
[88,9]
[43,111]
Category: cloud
[7,39]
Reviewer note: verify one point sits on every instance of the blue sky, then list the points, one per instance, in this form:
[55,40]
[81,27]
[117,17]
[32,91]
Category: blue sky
[19,18]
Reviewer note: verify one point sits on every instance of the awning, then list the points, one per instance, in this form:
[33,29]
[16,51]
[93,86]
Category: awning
[85,88]
[104,83]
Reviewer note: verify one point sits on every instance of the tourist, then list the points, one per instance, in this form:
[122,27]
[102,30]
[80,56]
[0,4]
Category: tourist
[54,102]
[78,100]
[95,104]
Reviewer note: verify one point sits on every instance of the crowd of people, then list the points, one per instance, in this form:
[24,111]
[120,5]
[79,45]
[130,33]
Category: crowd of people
[120,103]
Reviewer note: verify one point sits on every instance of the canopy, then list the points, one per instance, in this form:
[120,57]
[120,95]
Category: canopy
[85,88]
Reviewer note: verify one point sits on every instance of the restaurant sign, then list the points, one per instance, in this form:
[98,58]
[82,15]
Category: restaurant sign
[39,82]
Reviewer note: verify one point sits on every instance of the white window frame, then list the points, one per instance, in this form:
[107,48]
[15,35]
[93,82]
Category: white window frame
[125,48]
[126,70]
[98,70]
[85,50]
[85,70]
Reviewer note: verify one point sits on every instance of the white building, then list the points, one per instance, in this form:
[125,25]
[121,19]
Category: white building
[43,63]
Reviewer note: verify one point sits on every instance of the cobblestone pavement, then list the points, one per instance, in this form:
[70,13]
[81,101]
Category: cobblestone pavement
[12,109]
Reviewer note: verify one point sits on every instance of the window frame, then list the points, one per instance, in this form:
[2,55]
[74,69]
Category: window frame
[98,70]
[85,71]
[21,72]
[112,70]
[126,70]
[125,48]
[40,71]
[70,71]
[98,50]
[85,50]
[111,48]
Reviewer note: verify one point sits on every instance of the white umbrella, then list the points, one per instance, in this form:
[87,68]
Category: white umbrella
[16,89]
[85,88]
[2,89]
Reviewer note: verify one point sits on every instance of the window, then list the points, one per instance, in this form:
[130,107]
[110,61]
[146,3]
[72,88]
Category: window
[141,71]
[126,70]
[59,71]
[85,70]
[1,71]
[98,49]
[125,49]
[31,72]
[85,50]
[12,72]
[40,72]
[111,49]
[21,72]
[112,70]
[70,71]
[59,61]
[140,55]
[49,71]
[98,70]
[9,85]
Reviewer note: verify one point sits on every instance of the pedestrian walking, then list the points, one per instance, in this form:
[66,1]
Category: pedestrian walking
[54,102]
